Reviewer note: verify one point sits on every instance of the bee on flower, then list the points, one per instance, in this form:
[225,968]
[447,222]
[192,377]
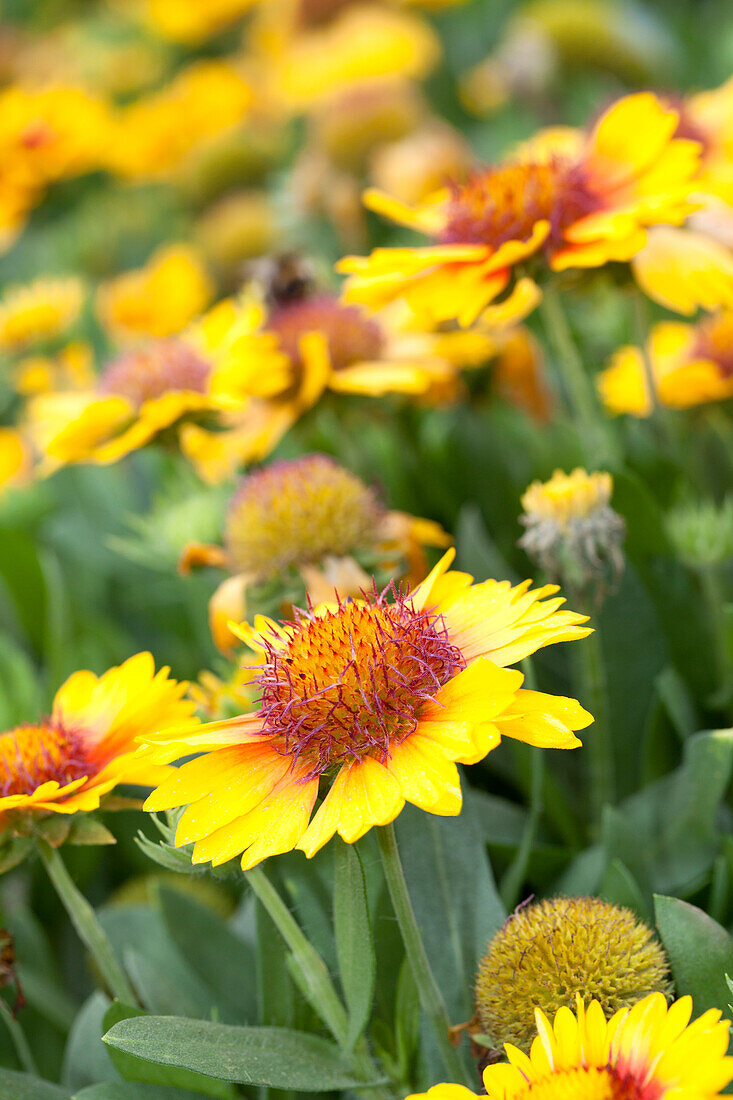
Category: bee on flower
[310,527]
[371,703]
[690,365]
[648,1051]
[583,201]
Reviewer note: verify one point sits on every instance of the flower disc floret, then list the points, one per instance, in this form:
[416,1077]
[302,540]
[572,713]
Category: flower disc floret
[295,513]
[352,337]
[31,755]
[351,681]
[147,373]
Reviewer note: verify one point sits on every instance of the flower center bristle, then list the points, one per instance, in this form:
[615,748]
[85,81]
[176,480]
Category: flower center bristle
[504,204]
[715,341]
[352,337]
[297,512]
[32,755]
[586,1084]
[351,682]
[163,367]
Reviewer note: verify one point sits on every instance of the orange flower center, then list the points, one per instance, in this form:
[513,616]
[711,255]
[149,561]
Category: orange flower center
[147,373]
[32,755]
[504,204]
[715,341]
[588,1084]
[351,682]
[352,336]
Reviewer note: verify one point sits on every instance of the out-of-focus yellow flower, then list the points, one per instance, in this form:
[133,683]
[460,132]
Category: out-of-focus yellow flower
[42,310]
[353,122]
[690,365]
[153,136]
[66,763]
[15,458]
[315,517]
[240,226]
[45,135]
[72,368]
[215,695]
[419,163]
[574,211]
[685,270]
[707,117]
[188,21]
[567,497]
[648,1051]
[156,300]
[309,50]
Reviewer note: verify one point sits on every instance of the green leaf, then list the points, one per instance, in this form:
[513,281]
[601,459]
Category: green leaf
[133,1068]
[619,887]
[127,1090]
[700,952]
[220,958]
[22,1086]
[86,829]
[407,1018]
[354,944]
[86,1059]
[272,1056]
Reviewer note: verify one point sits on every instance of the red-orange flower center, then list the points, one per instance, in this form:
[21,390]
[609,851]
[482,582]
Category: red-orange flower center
[352,681]
[160,368]
[352,336]
[715,341]
[504,204]
[34,754]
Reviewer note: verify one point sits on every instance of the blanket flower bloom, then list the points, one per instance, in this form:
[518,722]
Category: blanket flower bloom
[382,697]
[690,364]
[580,203]
[648,1052]
[42,310]
[66,762]
[314,517]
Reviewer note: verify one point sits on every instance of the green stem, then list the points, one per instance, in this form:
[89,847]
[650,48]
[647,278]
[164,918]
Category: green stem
[578,387]
[25,1055]
[88,928]
[516,873]
[641,321]
[323,995]
[716,600]
[431,998]
[594,695]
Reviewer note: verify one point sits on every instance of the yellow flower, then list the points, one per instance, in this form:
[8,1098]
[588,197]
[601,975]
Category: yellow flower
[690,364]
[189,21]
[707,117]
[65,763]
[413,167]
[15,459]
[581,209]
[685,270]
[384,694]
[567,497]
[648,1052]
[72,368]
[237,227]
[548,953]
[154,135]
[309,50]
[159,299]
[312,515]
[41,310]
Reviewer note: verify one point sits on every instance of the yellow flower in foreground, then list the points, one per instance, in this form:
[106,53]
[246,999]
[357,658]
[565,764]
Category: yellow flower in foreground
[648,1052]
[311,515]
[690,364]
[575,207]
[41,310]
[310,50]
[66,762]
[566,497]
[383,694]
[159,299]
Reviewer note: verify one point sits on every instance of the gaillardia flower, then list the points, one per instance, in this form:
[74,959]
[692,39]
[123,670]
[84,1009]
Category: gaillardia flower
[312,517]
[549,953]
[370,703]
[689,364]
[39,311]
[580,203]
[66,762]
[648,1052]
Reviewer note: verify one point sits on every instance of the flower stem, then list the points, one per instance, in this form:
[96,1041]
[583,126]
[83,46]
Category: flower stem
[594,694]
[431,998]
[323,995]
[641,320]
[23,1051]
[715,598]
[88,928]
